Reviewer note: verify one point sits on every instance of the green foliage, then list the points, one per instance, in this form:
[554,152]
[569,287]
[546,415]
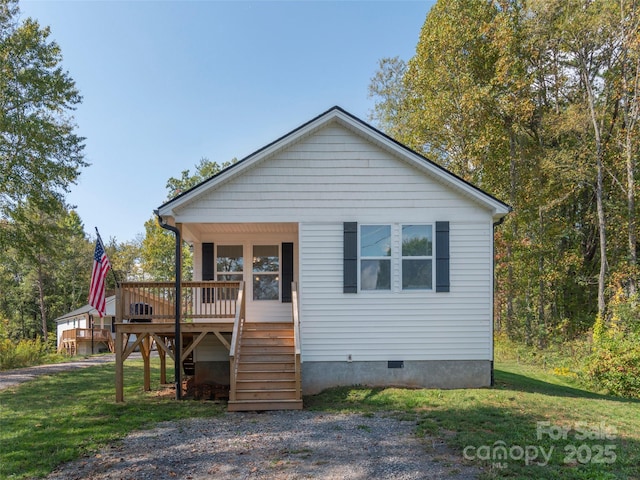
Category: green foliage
[24,353]
[42,243]
[599,330]
[157,249]
[537,103]
[615,366]
[204,170]
[125,258]
[40,155]
[157,253]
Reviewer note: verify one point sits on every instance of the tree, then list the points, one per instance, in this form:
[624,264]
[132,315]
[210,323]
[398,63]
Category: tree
[537,102]
[40,155]
[158,247]
[204,170]
[387,87]
[48,265]
[158,251]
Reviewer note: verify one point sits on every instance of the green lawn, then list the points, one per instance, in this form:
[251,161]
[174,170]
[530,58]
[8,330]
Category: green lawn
[57,418]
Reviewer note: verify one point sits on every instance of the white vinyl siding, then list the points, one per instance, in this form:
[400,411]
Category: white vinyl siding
[326,177]
[335,176]
[401,325]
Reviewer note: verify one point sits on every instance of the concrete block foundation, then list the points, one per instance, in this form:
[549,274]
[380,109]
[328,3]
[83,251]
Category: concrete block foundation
[447,374]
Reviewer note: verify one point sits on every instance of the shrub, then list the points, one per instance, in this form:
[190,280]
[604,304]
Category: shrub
[615,367]
[22,354]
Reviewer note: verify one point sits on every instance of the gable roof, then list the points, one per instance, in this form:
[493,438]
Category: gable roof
[336,114]
[110,310]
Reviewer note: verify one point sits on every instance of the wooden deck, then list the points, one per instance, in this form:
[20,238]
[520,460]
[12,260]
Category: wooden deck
[73,339]
[264,358]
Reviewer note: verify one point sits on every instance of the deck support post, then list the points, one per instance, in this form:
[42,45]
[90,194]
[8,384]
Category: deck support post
[145,349]
[163,365]
[119,366]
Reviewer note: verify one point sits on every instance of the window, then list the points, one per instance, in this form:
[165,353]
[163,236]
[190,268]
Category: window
[229,263]
[417,257]
[229,268]
[266,272]
[375,257]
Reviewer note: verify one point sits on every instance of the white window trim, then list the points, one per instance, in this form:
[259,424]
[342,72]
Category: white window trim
[389,258]
[396,259]
[422,257]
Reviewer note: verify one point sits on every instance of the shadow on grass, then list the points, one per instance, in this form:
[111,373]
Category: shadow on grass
[505,380]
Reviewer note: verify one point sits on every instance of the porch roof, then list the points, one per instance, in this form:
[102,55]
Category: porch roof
[191,231]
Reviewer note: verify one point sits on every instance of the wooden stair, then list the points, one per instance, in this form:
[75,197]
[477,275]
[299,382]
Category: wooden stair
[267,377]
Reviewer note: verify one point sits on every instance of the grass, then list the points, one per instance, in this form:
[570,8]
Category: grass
[577,424]
[57,418]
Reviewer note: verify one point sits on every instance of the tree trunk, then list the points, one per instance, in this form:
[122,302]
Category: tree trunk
[541,286]
[43,310]
[631,212]
[514,225]
[602,224]
[602,232]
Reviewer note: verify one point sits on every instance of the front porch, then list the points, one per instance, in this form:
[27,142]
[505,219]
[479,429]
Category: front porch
[264,358]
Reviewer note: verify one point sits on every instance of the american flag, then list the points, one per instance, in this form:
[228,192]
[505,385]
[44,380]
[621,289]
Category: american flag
[101,266]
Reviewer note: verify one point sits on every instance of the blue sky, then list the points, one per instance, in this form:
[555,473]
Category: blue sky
[165,83]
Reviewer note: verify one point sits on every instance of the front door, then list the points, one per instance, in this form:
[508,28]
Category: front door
[267,268]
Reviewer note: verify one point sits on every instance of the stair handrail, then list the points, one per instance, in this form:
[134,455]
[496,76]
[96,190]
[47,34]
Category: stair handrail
[296,336]
[234,349]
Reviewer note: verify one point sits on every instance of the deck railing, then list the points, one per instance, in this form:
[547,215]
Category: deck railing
[70,338]
[98,334]
[234,348]
[155,301]
[295,306]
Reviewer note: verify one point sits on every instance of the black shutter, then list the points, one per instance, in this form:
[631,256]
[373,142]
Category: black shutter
[287,271]
[350,257]
[208,272]
[442,256]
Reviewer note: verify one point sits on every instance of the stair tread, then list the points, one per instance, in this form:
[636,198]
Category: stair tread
[262,390]
[247,372]
[284,400]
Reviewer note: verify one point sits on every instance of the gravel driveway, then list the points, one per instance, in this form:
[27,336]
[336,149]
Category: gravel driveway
[274,445]
[10,378]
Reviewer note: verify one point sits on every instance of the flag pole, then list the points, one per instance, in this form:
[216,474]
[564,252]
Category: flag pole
[112,270]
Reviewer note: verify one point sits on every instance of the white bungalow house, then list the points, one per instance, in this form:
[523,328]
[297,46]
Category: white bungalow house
[83,332]
[390,255]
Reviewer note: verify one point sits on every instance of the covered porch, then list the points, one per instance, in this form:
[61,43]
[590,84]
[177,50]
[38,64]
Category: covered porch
[262,359]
